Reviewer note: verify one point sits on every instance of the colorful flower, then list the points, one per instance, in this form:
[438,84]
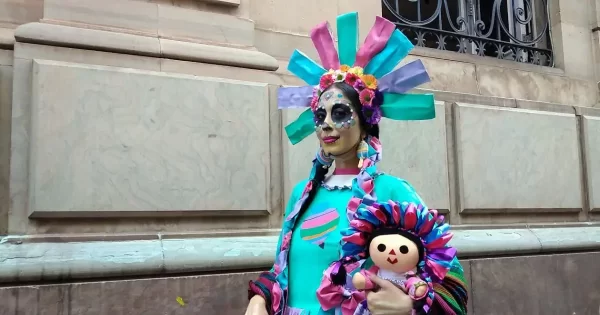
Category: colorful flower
[344,68]
[378,99]
[369,81]
[356,70]
[359,86]
[351,79]
[372,114]
[366,97]
[314,103]
[325,81]
[339,76]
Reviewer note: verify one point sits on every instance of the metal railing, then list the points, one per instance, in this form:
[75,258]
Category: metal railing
[516,30]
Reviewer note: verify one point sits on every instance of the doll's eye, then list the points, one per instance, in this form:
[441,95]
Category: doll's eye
[403,249]
[381,247]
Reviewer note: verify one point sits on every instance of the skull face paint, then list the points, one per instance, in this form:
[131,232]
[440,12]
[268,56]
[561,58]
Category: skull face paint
[336,123]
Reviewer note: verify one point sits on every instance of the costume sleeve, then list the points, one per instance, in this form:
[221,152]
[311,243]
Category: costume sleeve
[263,286]
[451,295]
[401,190]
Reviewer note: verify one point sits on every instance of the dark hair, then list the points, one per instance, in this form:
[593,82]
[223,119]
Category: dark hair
[352,95]
[371,130]
[391,231]
[339,277]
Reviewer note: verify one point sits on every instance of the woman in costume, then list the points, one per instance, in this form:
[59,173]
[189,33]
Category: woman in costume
[345,100]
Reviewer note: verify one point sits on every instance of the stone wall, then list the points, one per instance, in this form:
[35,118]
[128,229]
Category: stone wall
[493,283]
[122,124]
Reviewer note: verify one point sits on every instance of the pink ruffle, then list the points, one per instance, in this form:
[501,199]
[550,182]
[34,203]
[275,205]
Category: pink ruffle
[367,186]
[355,238]
[395,211]
[410,217]
[331,296]
[440,242]
[377,213]
[362,226]
[276,296]
[429,222]
[354,203]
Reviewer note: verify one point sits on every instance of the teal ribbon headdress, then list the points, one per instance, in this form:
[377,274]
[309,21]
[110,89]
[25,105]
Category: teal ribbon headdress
[370,70]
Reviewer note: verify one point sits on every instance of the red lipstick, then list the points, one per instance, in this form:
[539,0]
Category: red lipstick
[330,140]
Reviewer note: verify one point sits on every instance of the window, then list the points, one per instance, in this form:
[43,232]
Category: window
[516,30]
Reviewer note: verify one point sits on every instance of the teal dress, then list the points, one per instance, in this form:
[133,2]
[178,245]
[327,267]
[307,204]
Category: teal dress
[310,242]
[316,239]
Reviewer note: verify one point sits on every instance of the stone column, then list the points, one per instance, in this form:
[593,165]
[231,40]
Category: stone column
[572,38]
[12,14]
[594,13]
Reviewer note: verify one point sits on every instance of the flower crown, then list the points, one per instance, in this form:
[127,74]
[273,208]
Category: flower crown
[371,70]
[364,84]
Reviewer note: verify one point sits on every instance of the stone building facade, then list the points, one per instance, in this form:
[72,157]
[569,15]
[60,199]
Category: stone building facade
[143,168]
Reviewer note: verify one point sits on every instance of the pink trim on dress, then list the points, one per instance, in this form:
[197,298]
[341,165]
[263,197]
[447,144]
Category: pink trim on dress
[346,171]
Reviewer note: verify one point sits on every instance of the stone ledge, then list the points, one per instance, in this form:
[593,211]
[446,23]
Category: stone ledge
[101,40]
[7,38]
[34,261]
[227,3]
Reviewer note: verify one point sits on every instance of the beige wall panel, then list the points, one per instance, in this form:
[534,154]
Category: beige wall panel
[109,141]
[516,160]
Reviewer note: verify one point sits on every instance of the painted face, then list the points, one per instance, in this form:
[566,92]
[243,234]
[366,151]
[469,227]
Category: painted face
[394,252]
[336,122]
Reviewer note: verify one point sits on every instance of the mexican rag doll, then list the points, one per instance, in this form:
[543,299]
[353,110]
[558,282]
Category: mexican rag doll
[404,243]
[345,98]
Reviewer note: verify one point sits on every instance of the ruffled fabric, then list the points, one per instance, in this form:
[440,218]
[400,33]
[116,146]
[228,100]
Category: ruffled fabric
[333,296]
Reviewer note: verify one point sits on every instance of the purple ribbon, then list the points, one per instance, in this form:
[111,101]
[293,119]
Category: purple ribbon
[404,78]
[294,97]
[444,254]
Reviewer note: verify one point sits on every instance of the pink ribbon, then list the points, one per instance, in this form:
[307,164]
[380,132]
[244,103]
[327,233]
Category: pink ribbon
[323,41]
[331,296]
[376,40]
[438,270]
[276,296]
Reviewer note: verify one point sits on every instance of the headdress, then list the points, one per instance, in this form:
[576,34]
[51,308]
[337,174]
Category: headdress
[370,71]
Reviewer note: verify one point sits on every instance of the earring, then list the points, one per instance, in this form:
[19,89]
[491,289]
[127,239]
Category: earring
[325,159]
[362,153]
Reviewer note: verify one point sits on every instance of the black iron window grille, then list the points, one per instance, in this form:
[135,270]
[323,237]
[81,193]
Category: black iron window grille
[516,30]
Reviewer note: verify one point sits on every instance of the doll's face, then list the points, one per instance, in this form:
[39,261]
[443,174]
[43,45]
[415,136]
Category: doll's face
[394,252]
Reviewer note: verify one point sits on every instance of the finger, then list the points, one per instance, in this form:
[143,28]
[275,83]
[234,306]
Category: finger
[371,300]
[381,282]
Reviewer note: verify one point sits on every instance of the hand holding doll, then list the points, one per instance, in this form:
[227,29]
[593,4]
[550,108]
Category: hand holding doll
[401,250]
[395,255]
[388,299]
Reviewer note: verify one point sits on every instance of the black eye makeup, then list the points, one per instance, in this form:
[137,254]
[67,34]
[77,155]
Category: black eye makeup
[341,116]
[320,116]
[341,113]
